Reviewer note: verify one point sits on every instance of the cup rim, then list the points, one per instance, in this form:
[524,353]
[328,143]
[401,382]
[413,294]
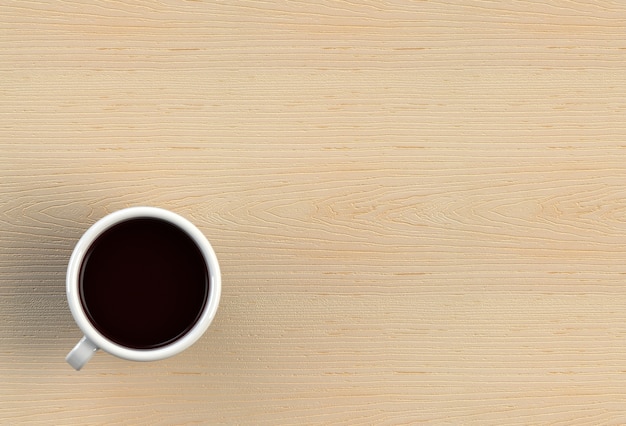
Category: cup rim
[73,275]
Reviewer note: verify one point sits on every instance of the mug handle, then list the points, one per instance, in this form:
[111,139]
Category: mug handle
[82,352]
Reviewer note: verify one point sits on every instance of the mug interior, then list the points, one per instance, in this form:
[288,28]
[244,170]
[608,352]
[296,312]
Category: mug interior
[143,283]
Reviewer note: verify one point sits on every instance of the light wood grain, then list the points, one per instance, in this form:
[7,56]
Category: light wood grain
[419,207]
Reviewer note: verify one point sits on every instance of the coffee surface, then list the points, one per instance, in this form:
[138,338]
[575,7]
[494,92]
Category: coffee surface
[144,283]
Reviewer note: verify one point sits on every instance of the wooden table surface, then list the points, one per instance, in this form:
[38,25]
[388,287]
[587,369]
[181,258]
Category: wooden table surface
[419,207]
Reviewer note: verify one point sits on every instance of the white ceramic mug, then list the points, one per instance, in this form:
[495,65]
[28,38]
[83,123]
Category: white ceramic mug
[93,339]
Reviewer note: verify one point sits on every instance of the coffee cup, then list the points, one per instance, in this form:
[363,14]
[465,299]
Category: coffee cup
[143,284]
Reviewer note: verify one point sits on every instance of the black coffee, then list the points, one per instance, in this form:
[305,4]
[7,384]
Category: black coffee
[144,283]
